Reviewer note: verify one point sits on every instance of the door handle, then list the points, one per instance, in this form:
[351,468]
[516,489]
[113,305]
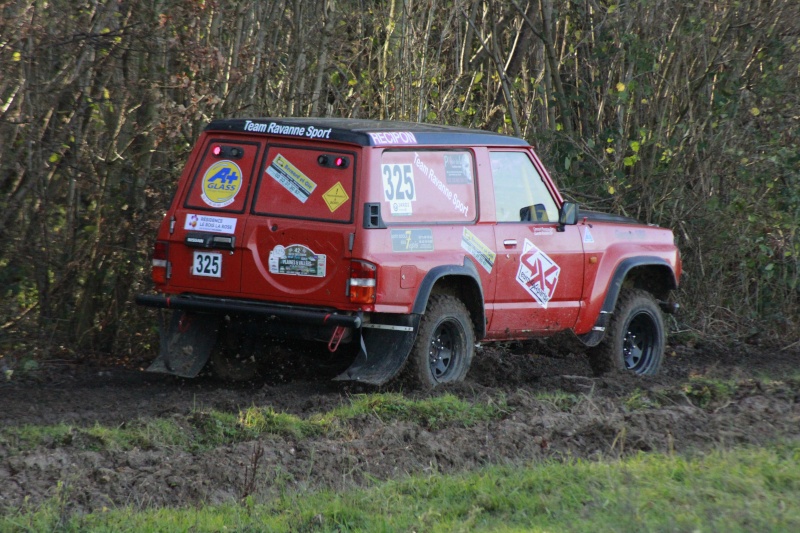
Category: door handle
[508,243]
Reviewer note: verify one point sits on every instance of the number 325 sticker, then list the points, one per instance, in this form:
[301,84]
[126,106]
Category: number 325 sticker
[398,188]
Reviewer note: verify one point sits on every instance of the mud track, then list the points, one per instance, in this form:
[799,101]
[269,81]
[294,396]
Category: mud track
[600,422]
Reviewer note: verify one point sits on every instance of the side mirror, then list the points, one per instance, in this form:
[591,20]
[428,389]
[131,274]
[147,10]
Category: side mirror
[567,215]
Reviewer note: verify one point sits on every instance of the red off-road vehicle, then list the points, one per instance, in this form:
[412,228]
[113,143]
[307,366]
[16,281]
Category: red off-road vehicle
[408,242]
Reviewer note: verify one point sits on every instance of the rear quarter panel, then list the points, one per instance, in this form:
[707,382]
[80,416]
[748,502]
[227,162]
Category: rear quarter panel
[409,248]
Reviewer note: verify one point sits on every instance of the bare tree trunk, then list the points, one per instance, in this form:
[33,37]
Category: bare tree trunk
[322,64]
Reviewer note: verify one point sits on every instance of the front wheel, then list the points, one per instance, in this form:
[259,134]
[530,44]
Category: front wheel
[635,338]
[445,343]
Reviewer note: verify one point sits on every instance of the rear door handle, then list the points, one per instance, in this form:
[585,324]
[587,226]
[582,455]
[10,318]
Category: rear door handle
[508,243]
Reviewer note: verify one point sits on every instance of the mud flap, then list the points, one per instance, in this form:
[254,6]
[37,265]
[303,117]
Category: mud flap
[185,345]
[384,350]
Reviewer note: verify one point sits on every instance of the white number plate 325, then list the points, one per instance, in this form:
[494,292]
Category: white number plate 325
[207,264]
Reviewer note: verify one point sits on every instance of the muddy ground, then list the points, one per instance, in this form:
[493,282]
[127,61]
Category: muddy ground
[603,422]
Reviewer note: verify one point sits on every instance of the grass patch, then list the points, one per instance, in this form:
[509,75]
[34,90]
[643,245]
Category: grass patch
[738,490]
[563,401]
[707,392]
[431,413]
[208,429]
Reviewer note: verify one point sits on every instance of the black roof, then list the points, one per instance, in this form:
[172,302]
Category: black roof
[366,132]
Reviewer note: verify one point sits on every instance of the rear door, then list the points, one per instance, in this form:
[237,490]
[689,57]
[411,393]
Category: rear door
[205,245]
[298,235]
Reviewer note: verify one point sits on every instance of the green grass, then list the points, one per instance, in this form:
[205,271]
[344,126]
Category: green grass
[431,413]
[737,490]
[563,401]
[205,429]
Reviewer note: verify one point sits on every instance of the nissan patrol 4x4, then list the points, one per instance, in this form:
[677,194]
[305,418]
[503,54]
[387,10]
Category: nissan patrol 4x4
[410,242]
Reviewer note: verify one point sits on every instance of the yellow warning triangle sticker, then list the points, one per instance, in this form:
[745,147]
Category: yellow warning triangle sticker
[335,197]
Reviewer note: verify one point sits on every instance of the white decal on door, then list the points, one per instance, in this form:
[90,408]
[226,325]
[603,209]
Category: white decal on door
[537,273]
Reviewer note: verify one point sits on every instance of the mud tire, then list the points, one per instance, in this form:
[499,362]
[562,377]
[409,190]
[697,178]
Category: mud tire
[635,338]
[445,344]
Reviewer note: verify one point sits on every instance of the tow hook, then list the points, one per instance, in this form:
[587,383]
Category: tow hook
[336,338]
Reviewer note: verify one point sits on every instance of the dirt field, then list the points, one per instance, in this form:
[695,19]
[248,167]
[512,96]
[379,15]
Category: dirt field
[598,423]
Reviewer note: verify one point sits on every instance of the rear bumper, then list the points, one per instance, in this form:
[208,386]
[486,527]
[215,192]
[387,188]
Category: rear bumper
[288,313]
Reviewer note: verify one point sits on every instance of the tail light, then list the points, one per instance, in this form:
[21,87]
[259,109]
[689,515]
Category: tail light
[161,266]
[363,282]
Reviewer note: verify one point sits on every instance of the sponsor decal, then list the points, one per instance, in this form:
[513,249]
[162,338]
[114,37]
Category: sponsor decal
[256,127]
[475,247]
[412,240]
[296,260]
[335,197]
[543,231]
[290,177]
[393,137]
[274,128]
[399,188]
[428,172]
[458,168]
[209,223]
[587,237]
[221,183]
[537,273]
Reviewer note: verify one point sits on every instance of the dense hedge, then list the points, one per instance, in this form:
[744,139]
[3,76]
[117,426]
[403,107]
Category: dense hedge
[683,114]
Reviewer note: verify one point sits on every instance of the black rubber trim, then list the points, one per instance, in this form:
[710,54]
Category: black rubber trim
[317,317]
[468,269]
[593,338]
[625,266]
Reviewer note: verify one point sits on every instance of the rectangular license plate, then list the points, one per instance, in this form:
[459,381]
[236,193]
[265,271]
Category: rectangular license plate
[207,264]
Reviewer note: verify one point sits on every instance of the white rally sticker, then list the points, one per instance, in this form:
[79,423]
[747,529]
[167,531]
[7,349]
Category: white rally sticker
[537,273]
[399,188]
[296,260]
[291,178]
[393,137]
[209,223]
[477,249]
[587,237]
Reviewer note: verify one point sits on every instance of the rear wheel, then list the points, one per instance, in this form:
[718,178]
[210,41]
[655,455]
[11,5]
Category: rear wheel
[445,343]
[635,338]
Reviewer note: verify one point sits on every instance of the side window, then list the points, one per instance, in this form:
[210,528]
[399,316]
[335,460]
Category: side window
[520,195]
[428,186]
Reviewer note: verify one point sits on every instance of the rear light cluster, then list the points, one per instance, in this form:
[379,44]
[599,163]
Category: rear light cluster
[333,161]
[228,152]
[161,265]
[363,282]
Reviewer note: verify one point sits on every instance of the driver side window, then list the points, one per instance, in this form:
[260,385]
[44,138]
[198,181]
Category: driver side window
[520,195]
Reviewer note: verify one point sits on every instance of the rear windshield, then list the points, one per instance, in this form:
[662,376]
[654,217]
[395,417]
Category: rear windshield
[428,186]
[306,183]
[223,178]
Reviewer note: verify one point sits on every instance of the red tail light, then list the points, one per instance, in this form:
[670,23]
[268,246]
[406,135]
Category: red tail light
[161,267]
[363,282]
